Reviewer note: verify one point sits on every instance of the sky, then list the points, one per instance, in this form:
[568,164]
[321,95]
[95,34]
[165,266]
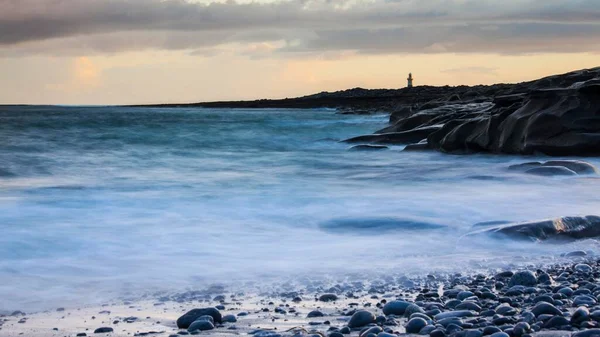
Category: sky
[171,51]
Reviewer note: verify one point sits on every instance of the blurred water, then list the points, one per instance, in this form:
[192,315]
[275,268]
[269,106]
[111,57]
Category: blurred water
[96,202]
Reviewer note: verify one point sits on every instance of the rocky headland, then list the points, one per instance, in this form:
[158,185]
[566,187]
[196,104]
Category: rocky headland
[557,115]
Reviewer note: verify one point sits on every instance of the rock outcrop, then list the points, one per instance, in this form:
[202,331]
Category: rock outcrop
[565,228]
[557,116]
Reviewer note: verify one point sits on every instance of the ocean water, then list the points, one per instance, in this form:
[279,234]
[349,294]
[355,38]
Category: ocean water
[100,202]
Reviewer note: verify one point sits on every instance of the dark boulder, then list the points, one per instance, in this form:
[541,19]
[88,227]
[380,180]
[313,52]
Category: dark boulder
[566,228]
[188,318]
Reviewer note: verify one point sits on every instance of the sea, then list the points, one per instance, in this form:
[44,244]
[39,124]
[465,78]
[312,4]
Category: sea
[98,203]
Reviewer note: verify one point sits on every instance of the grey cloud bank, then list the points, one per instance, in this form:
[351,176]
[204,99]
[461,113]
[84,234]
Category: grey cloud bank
[74,27]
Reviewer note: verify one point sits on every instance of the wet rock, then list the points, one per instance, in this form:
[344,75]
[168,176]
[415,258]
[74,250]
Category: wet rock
[415,325]
[549,171]
[315,313]
[545,308]
[328,298]
[188,318]
[557,322]
[584,300]
[395,308]
[583,268]
[361,318]
[412,309]
[229,319]
[201,324]
[580,315]
[103,330]
[523,278]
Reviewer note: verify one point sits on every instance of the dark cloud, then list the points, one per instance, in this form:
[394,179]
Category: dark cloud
[299,26]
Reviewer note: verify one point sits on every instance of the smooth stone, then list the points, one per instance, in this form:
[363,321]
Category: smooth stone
[556,322]
[188,318]
[583,268]
[413,308]
[566,291]
[395,308]
[315,313]
[468,306]
[328,298]
[415,325]
[103,330]
[490,330]
[361,318]
[584,300]
[521,328]
[464,294]
[505,310]
[545,308]
[525,278]
[201,324]
[580,315]
[229,319]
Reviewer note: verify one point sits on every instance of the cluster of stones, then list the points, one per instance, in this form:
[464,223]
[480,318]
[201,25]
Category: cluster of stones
[509,304]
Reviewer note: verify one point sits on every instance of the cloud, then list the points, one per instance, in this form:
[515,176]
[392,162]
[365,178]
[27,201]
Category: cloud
[85,27]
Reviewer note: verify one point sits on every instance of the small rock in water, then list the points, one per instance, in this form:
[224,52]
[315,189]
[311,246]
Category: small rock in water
[551,171]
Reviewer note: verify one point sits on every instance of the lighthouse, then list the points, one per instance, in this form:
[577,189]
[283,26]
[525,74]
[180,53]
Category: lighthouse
[410,80]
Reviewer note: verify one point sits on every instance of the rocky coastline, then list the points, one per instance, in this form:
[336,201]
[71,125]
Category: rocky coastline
[557,300]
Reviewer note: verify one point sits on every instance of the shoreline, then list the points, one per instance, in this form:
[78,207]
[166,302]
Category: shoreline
[494,299]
